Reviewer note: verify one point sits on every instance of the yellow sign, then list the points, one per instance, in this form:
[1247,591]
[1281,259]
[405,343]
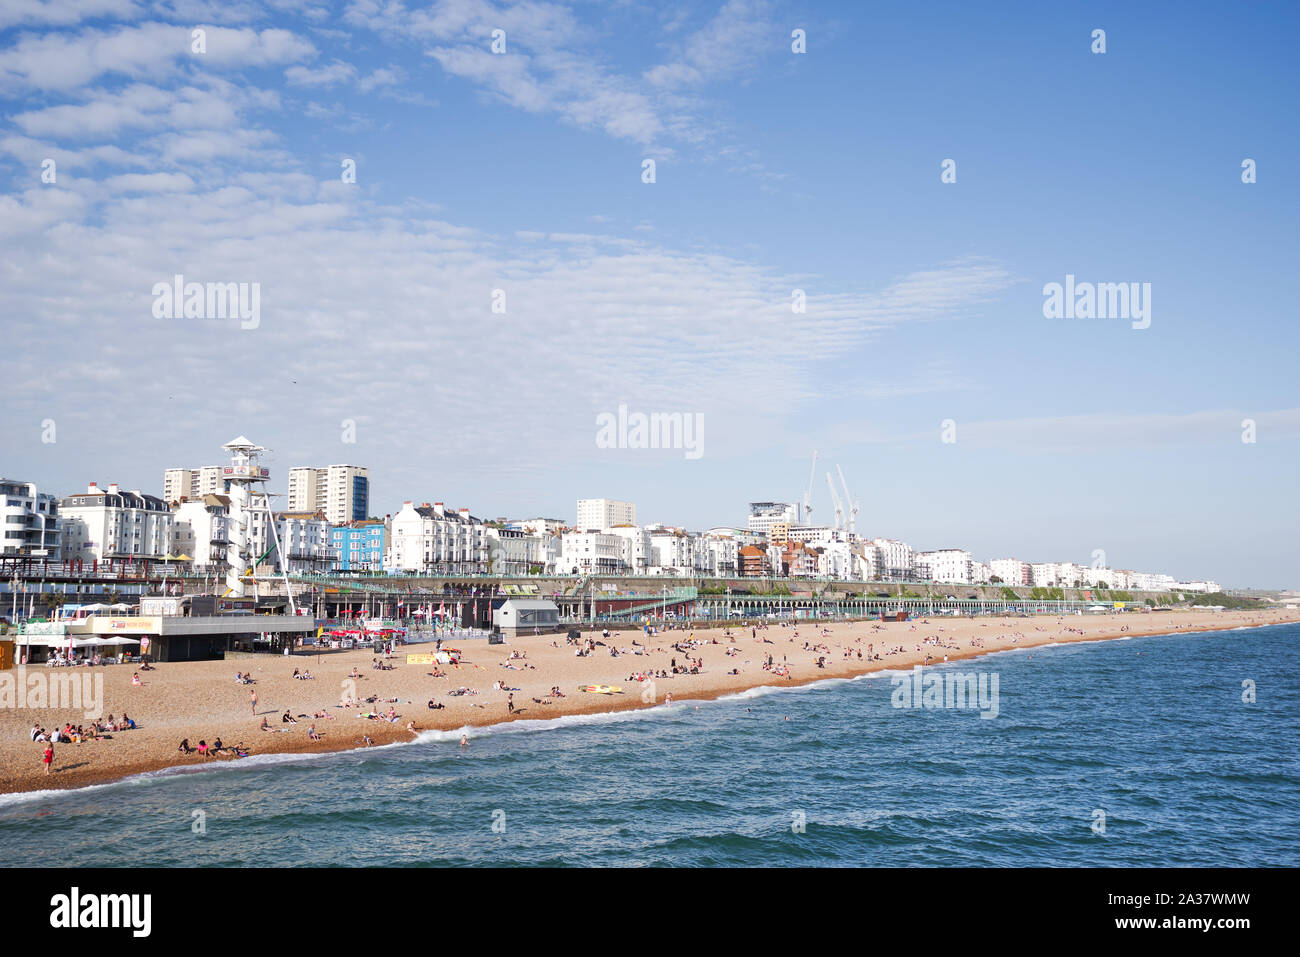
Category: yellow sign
[421,660]
[1119,604]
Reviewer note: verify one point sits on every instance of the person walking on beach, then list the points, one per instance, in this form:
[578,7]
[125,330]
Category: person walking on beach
[510,703]
[48,757]
[252,699]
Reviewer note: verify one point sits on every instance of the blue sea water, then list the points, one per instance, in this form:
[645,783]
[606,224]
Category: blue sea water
[1153,732]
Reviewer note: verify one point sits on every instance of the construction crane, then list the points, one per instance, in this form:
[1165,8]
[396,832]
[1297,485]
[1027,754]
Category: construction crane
[839,506]
[807,495]
[852,503]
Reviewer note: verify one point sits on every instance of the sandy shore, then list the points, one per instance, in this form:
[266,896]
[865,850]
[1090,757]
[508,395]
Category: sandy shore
[200,700]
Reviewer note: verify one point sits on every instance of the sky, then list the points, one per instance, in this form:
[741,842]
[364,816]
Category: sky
[498,274]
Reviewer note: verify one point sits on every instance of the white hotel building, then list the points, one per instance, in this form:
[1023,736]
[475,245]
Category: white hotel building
[112,525]
[29,521]
[192,484]
[944,565]
[437,540]
[595,514]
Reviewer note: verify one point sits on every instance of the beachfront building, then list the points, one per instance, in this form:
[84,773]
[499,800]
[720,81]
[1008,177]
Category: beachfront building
[437,540]
[192,484]
[894,559]
[587,553]
[716,556]
[342,492]
[944,565]
[836,560]
[112,525]
[595,514]
[866,562]
[763,515]
[513,551]
[1202,587]
[201,530]
[980,572]
[754,562]
[360,546]
[637,550]
[1012,571]
[29,521]
[541,526]
[673,551]
[304,544]
[1043,574]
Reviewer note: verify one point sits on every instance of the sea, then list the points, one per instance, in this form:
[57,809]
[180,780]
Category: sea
[1148,751]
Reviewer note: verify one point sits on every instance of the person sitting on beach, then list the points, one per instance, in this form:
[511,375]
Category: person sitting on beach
[287,718]
[128,723]
[135,679]
[313,734]
[264,726]
[185,747]
[203,748]
[217,747]
[435,707]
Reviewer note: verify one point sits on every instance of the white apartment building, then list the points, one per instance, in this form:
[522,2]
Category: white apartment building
[29,521]
[1012,571]
[586,553]
[944,565]
[866,562]
[595,514]
[181,484]
[717,555]
[1205,587]
[673,552]
[435,539]
[814,534]
[542,526]
[513,550]
[201,530]
[1043,574]
[980,572]
[836,560]
[762,515]
[894,559]
[111,525]
[638,552]
[342,492]
[305,543]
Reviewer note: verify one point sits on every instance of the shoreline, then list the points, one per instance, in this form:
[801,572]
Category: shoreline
[199,683]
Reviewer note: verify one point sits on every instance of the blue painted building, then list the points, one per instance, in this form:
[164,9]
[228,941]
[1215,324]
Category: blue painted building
[360,545]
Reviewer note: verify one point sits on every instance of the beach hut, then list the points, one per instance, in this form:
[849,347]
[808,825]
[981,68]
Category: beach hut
[526,616]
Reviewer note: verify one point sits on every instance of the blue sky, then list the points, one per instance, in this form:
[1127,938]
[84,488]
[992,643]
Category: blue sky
[775,171]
